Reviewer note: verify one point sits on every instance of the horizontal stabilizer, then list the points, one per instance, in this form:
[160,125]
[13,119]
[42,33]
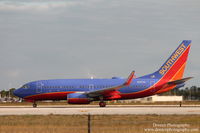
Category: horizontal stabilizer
[180,81]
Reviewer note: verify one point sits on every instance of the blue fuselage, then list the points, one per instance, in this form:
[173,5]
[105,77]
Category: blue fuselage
[81,85]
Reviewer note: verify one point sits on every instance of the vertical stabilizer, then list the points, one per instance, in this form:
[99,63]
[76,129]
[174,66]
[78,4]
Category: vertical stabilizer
[173,68]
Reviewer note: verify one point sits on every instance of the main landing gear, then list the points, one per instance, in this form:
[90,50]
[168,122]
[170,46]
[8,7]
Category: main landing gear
[102,104]
[34,104]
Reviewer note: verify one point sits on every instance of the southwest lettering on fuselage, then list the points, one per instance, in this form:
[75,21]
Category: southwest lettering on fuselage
[173,58]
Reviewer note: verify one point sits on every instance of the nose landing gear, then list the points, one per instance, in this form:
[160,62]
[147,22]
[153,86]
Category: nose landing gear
[34,104]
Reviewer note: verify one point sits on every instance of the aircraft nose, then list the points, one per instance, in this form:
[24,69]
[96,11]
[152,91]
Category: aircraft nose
[16,92]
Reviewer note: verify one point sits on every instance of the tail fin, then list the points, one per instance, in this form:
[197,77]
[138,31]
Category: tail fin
[173,68]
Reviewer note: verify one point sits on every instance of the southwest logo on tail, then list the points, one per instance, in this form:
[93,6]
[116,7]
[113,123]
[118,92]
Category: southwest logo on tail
[85,91]
[172,59]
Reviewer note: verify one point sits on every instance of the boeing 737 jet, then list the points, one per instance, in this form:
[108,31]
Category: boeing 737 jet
[84,91]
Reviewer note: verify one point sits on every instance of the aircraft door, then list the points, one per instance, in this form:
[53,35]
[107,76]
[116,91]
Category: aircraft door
[39,86]
[91,87]
[152,84]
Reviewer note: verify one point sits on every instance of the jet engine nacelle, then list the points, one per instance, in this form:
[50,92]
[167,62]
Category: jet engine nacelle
[78,98]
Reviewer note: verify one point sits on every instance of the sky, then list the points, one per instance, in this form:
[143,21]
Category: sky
[48,39]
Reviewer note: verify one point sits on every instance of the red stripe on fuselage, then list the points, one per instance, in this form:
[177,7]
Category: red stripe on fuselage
[49,96]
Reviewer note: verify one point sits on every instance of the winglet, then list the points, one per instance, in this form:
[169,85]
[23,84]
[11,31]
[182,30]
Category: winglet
[130,78]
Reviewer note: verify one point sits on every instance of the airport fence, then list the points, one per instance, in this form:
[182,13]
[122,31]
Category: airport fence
[99,124]
[104,124]
[138,124]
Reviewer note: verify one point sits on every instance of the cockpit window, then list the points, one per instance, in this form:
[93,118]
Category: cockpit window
[25,86]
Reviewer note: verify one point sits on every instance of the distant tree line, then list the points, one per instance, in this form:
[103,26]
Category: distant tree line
[192,93]
[7,93]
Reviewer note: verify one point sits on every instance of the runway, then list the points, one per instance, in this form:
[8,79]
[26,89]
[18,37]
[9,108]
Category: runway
[95,110]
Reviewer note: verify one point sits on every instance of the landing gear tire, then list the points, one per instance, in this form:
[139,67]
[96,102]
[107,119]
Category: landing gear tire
[102,104]
[34,105]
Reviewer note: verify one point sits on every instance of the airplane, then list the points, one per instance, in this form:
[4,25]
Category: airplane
[85,91]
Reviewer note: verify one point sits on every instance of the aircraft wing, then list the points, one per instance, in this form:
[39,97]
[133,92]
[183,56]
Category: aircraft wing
[180,81]
[111,92]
